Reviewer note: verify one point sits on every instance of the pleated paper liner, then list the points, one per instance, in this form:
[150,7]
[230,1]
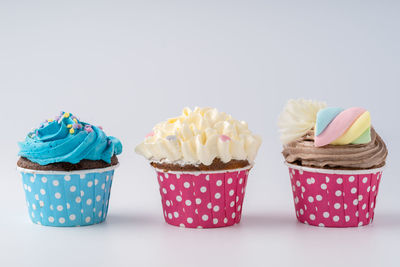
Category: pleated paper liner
[207,199]
[334,198]
[75,198]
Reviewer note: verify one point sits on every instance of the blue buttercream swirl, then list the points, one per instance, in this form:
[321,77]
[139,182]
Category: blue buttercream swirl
[66,139]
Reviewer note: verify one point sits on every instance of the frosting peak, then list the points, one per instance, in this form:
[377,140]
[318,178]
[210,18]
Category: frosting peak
[198,137]
[66,139]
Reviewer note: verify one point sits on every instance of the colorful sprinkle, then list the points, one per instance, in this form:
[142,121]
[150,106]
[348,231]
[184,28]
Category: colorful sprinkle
[75,120]
[71,131]
[224,138]
[100,127]
[50,120]
[172,120]
[69,126]
[149,134]
[66,114]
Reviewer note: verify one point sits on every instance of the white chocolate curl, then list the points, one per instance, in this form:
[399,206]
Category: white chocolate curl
[200,136]
[298,117]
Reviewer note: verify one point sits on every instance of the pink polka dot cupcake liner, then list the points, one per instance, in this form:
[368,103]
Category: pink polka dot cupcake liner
[203,199]
[334,198]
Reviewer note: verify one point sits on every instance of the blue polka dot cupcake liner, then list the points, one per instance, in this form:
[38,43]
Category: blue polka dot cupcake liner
[66,199]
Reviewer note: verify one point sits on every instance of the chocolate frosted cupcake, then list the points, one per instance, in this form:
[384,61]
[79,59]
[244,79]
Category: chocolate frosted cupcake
[335,159]
[67,168]
[202,159]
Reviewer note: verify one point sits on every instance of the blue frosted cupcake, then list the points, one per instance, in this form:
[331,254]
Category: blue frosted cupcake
[67,168]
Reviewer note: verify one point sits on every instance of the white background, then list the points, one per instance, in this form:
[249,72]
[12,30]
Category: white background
[127,65]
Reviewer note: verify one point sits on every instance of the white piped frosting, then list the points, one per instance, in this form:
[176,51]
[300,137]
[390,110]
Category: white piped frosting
[200,136]
[297,118]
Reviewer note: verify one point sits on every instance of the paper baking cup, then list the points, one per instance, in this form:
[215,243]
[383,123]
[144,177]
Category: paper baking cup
[75,198]
[203,199]
[334,198]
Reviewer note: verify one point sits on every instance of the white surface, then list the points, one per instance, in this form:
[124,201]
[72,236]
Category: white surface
[127,65]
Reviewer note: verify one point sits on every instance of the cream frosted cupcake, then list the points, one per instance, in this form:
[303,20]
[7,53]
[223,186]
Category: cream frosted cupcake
[202,159]
[335,160]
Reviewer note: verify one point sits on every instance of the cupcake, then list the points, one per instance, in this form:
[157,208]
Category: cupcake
[202,159]
[67,168]
[335,159]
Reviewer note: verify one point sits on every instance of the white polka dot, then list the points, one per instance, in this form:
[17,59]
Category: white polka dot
[78,200]
[44,179]
[364,206]
[225,220]
[365,180]
[178,198]
[29,188]
[89,201]
[166,175]
[176,214]
[168,203]
[347,218]
[336,218]
[360,197]
[373,188]
[232,204]
[56,182]
[239,207]
[310,199]
[87,219]
[82,176]
[198,201]
[96,181]
[355,202]
[294,188]
[186,184]
[230,180]
[296,200]
[100,213]
[309,181]
[215,221]
[318,197]
[182,225]
[323,186]
[108,178]
[367,215]
[233,215]
[345,206]
[61,220]
[82,193]
[57,195]
[303,189]
[360,223]
[312,217]
[298,183]
[60,208]
[353,190]
[240,180]
[67,178]
[170,216]
[72,217]
[164,190]
[231,192]
[208,177]
[203,189]
[204,217]
[217,196]
[25,187]
[103,186]
[33,206]
[161,178]
[237,198]
[326,214]
[172,187]
[339,180]
[41,203]
[98,198]
[72,188]
[216,208]
[356,213]
[321,225]
[51,219]
[301,211]
[36,196]
[327,179]
[351,179]
[178,176]
[188,202]
[338,193]
[32,179]
[90,184]
[368,189]
[209,205]
[219,183]
[337,206]
[189,220]
[372,205]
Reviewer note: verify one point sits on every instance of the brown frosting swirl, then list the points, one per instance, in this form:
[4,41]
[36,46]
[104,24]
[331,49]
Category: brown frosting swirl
[354,157]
